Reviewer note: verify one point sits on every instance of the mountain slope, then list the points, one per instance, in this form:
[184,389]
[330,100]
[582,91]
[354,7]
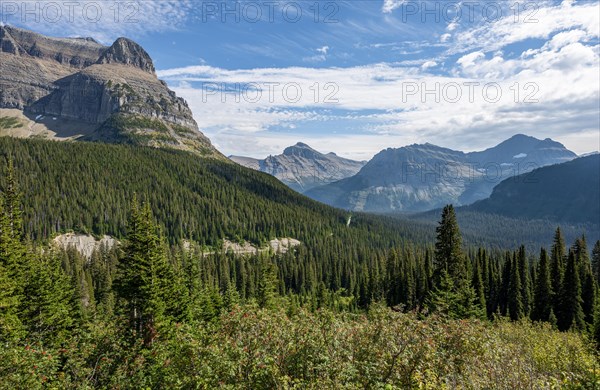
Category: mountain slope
[87,187]
[113,90]
[423,177]
[568,192]
[302,168]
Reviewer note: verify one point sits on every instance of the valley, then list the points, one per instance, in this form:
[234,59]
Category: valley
[134,254]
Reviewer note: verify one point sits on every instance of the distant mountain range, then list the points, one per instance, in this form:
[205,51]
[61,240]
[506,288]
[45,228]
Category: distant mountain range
[303,168]
[568,192]
[417,178]
[77,88]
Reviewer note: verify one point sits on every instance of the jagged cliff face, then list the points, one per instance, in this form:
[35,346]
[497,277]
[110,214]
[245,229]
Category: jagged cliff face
[113,88]
[303,168]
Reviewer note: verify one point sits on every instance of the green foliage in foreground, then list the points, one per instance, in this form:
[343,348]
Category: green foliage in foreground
[143,316]
[254,348]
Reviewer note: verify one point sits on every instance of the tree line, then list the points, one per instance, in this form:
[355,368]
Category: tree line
[134,297]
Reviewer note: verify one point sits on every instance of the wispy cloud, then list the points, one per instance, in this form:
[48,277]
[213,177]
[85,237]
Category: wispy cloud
[536,23]
[102,20]
[390,5]
[530,100]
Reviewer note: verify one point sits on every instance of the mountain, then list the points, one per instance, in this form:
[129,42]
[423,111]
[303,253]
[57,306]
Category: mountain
[302,168]
[87,188]
[568,192]
[423,177]
[76,88]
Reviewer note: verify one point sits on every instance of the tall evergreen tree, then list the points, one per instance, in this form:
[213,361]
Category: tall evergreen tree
[503,295]
[14,260]
[478,285]
[267,286]
[453,291]
[543,290]
[145,278]
[449,255]
[588,285]
[570,313]
[596,262]
[557,256]
[515,297]
[526,294]
[48,311]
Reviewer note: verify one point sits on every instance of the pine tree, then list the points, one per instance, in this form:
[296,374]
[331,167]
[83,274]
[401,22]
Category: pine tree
[456,303]
[14,260]
[10,323]
[588,286]
[526,294]
[588,296]
[449,255]
[48,311]
[570,312]
[145,278]
[267,285]
[515,290]
[453,293]
[542,305]
[478,285]
[392,278]
[557,256]
[596,262]
[503,295]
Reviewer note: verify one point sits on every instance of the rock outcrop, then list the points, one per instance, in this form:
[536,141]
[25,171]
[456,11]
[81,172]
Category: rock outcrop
[114,88]
[84,244]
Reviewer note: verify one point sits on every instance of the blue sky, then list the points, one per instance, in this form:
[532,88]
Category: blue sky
[355,77]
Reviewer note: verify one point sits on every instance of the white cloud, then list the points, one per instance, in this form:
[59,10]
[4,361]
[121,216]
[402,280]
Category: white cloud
[429,64]
[371,98]
[321,55]
[390,5]
[445,37]
[102,20]
[323,50]
[547,20]
[470,59]
[452,26]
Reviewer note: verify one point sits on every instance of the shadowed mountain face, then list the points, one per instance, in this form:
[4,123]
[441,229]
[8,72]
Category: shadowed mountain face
[568,192]
[423,177]
[302,168]
[113,89]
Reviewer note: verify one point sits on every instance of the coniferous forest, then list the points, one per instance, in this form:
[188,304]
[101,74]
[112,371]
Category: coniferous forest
[363,302]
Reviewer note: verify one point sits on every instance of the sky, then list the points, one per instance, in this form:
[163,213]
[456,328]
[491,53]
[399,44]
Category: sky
[356,77]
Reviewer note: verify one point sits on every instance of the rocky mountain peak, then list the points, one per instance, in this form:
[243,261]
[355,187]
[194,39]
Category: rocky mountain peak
[302,168]
[126,52]
[301,150]
[108,94]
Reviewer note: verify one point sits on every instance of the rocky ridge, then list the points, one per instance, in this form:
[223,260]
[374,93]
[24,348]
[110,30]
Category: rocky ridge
[113,88]
[418,178]
[302,167]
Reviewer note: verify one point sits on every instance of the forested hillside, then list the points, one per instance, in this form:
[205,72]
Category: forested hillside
[361,303]
[87,187]
[567,193]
